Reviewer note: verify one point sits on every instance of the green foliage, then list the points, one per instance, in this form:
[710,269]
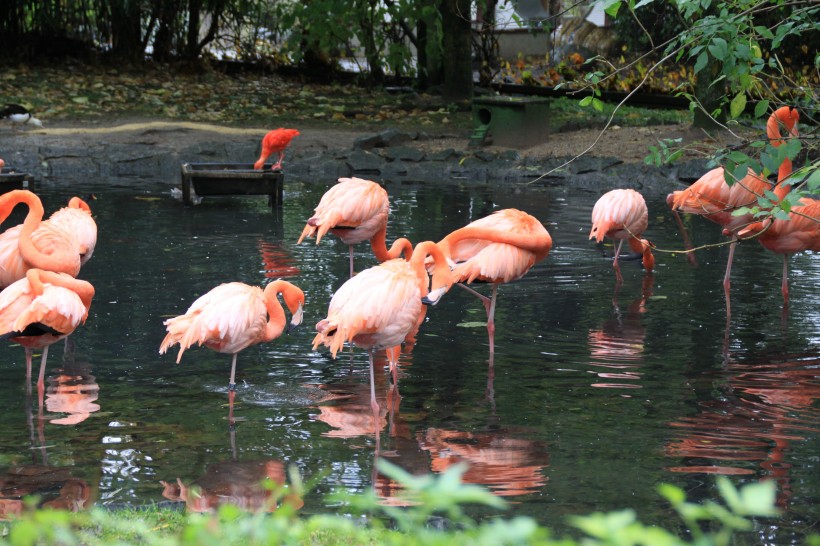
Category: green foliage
[423,497]
[735,48]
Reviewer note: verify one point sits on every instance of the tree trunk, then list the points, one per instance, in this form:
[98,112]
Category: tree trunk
[458,65]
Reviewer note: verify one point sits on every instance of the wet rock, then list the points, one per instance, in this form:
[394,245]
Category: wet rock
[403,153]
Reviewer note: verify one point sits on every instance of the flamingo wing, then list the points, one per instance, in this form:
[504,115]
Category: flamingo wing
[229,318]
[378,308]
[355,203]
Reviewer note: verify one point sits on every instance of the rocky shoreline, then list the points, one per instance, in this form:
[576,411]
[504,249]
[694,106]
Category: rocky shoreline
[156,153]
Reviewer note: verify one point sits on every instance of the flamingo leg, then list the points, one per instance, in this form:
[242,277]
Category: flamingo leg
[232,382]
[615,265]
[350,247]
[491,319]
[784,287]
[278,164]
[41,383]
[727,279]
[393,359]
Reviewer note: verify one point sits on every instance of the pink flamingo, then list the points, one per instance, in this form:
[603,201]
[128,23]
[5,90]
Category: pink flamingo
[622,215]
[711,197]
[40,309]
[232,317]
[380,306]
[496,249]
[356,210]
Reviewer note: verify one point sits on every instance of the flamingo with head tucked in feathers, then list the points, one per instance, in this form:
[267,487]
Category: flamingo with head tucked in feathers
[622,215]
[40,309]
[496,249]
[356,210]
[712,198]
[275,142]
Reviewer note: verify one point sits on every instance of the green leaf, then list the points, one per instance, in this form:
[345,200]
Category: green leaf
[674,494]
[765,32]
[761,108]
[700,64]
[598,105]
[586,101]
[719,48]
[738,105]
[758,499]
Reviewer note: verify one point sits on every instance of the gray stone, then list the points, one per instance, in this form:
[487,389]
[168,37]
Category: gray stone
[403,153]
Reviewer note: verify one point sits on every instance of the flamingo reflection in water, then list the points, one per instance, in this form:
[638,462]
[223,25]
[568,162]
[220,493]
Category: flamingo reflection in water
[764,409]
[507,465]
[250,485]
[72,390]
[618,345]
[54,487]
[276,260]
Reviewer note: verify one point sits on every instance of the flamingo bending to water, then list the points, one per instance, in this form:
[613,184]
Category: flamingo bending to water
[275,142]
[380,306]
[232,317]
[622,215]
[496,249]
[60,244]
[711,197]
[356,210]
[40,309]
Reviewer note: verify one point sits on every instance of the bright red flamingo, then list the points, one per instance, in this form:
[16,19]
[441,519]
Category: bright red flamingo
[60,244]
[711,197]
[622,215]
[40,309]
[232,317]
[275,142]
[380,306]
[356,210]
[496,249]
[799,233]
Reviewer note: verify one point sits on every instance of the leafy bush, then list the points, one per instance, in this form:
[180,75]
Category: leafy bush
[708,524]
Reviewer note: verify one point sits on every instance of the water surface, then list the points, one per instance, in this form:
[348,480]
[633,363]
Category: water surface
[592,399]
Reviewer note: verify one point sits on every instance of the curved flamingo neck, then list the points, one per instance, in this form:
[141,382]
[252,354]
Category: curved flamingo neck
[77,203]
[787,117]
[276,314]
[442,277]
[537,243]
[294,299]
[400,248]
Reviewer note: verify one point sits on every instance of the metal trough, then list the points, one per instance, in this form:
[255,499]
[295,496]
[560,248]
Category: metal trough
[204,179]
[11,179]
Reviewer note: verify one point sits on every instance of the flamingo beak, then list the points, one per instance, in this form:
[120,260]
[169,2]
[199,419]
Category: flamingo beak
[434,296]
[296,319]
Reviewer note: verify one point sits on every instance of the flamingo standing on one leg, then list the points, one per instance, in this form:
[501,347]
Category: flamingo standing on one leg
[232,317]
[380,306]
[40,309]
[356,210]
[60,246]
[711,197]
[622,215]
[275,142]
[498,248]
[799,233]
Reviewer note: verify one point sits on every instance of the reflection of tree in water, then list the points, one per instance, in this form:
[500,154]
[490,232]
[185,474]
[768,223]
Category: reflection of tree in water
[618,345]
[55,487]
[507,465]
[764,409]
[250,485]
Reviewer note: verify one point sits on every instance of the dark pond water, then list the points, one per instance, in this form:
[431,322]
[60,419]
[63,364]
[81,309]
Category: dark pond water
[595,398]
